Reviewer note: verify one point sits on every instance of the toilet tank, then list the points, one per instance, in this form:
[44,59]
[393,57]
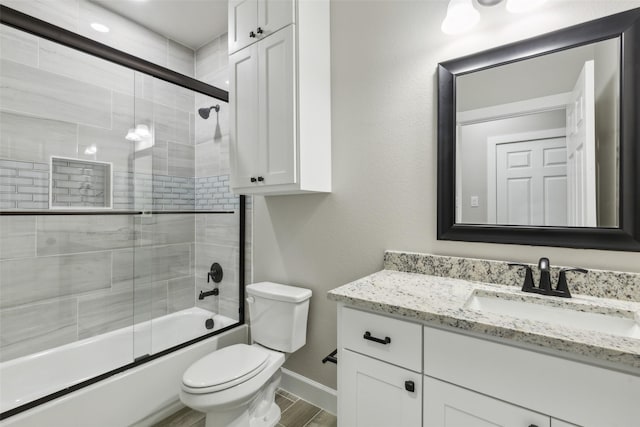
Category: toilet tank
[278,315]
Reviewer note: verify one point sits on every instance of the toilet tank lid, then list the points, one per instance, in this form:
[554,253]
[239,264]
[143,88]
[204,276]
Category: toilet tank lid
[279,292]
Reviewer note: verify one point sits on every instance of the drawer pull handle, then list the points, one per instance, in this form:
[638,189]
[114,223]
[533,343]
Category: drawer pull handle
[367,336]
[410,386]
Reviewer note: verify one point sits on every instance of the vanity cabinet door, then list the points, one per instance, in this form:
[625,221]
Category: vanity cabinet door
[377,394]
[446,405]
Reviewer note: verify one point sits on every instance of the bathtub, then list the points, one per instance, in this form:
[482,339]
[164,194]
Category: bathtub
[123,399]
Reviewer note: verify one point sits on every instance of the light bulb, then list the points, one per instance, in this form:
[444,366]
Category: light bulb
[101,28]
[521,6]
[461,17]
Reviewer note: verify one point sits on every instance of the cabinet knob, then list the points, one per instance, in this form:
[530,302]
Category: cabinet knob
[259,30]
[253,179]
[410,386]
[532,425]
[260,179]
[252,34]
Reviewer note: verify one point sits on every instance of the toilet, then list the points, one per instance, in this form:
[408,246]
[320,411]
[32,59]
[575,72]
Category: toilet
[235,386]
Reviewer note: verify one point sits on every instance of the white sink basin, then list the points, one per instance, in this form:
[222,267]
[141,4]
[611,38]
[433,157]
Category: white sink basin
[615,322]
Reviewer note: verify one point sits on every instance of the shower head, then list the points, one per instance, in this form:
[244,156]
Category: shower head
[204,112]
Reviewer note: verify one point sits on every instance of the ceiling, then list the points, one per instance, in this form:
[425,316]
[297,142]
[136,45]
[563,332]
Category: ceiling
[192,23]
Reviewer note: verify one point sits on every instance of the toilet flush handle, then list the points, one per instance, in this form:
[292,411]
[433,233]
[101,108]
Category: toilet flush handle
[251,300]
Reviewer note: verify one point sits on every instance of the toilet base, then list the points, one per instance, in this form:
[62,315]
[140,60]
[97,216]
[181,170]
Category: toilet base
[262,411]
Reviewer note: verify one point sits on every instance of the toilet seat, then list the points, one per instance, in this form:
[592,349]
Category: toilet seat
[224,369]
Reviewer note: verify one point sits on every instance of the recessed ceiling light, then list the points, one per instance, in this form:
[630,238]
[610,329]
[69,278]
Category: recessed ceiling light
[101,28]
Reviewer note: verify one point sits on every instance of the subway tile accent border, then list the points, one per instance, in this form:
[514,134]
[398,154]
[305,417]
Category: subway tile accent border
[598,283]
[213,193]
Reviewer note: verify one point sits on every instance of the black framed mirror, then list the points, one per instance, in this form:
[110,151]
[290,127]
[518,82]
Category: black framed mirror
[539,140]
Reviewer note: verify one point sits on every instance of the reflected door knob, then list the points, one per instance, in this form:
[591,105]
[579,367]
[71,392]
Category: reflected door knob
[259,30]
[252,34]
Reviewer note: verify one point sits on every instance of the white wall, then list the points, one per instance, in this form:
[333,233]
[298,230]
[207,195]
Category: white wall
[384,57]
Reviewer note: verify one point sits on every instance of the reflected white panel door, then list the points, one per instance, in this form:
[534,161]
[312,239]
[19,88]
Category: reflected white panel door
[446,405]
[581,151]
[531,182]
[375,395]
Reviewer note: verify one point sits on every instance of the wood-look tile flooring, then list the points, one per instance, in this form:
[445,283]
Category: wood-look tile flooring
[295,413]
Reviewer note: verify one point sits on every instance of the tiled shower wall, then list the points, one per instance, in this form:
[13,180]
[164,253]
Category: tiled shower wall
[215,236]
[64,278]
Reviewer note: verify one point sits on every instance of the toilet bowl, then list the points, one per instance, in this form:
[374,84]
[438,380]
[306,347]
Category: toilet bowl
[235,386]
[244,380]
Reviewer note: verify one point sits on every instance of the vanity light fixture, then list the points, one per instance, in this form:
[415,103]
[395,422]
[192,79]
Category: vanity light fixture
[521,6]
[101,28]
[461,17]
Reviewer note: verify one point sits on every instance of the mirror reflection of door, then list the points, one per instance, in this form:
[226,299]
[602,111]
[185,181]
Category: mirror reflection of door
[530,186]
[581,150]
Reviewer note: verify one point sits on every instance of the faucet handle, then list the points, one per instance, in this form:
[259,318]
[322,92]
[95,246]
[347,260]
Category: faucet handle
[544,264]
[528,275]
[562,289]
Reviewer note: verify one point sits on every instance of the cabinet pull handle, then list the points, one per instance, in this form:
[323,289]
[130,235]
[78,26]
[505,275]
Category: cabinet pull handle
[532,425]
[253,179]
[410,386]
[260,179]
[385,341]
[259,30]
[252,34]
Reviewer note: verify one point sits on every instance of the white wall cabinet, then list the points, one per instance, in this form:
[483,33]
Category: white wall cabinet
[253,20]
[378,394]
[280,107]
[469,381]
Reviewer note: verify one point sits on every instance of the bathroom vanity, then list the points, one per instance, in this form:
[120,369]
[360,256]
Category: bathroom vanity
[419,349]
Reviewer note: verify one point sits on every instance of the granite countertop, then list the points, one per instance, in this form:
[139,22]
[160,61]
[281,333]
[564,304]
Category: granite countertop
[443,301]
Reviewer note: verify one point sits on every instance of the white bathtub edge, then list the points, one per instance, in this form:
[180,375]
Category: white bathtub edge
[127,398]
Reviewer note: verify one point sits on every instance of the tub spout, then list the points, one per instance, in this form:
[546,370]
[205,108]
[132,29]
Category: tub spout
[203,295]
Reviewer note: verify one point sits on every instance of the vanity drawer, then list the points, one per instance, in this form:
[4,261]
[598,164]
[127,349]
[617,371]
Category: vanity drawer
[391,340]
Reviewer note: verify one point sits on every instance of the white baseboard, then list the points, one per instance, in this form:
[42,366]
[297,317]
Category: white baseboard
[312,391]
[155,418]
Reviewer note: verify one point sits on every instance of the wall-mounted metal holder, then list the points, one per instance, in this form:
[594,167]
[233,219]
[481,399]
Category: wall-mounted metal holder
[331,357]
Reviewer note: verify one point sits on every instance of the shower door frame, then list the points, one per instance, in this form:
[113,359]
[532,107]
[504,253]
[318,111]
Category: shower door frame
[43,29]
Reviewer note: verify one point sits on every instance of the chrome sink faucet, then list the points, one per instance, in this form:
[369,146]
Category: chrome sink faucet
[544,286]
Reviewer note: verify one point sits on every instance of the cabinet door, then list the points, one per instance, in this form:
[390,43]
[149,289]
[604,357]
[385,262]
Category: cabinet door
[276,86]
[243,116]
[274,15]
[243,19]
[373,394]
[446,405]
